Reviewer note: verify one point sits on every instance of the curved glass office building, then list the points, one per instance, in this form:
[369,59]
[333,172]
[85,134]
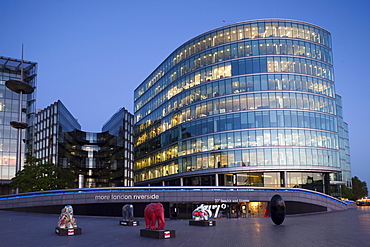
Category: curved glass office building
[247,104]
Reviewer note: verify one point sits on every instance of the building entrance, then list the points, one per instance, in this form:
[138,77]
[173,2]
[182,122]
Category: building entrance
[221,210]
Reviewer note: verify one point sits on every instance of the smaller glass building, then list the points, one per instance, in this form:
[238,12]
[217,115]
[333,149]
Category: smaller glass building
[104,159]
[10,68]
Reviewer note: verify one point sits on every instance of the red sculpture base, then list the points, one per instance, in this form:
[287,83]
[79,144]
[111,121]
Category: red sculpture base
[68,231]
[159,234]
[202,223]
[129,223]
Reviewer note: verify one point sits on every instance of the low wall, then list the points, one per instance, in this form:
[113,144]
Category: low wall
[297,200]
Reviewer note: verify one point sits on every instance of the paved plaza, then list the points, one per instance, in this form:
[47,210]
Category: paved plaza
[341,228]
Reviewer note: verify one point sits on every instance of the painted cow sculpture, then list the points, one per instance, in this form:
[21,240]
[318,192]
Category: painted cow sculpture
[66,219]
[128,212]
[154,212]
[202,213]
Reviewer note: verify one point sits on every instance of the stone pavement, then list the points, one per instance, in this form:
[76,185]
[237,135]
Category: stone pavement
[341,228]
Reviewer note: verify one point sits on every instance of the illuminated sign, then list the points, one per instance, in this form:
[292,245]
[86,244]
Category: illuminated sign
[126,197]
[231,200]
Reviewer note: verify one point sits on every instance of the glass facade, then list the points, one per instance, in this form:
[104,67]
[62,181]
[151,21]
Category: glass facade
[119,145]
[104,159]
[251,103]
[344,176]
[9,106]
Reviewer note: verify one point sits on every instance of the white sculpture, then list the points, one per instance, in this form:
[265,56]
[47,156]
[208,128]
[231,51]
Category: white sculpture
[66,219]
[202,213]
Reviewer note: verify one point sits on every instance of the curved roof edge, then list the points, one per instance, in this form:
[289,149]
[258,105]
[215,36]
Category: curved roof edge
[225,26]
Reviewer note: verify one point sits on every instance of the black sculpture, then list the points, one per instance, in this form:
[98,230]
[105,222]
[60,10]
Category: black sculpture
[277,209]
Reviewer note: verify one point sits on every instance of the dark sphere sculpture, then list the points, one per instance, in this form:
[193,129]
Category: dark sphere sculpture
[277,209]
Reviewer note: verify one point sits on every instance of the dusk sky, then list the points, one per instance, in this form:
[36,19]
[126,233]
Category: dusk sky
[92,54]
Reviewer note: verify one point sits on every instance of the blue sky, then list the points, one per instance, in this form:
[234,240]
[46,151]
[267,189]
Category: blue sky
[92,54]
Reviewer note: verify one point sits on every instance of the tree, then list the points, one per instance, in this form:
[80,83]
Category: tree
[347,192]
[359,188]
[37,176]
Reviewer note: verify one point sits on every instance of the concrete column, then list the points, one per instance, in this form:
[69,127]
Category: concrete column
[80,181]
[284,179]
[326,183]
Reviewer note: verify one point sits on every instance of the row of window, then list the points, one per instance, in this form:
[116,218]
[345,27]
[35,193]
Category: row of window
[48,153]
[297,157]
[308,180]
[237,67]
[236,121]
[254,102]
[7,117]
[238,85]
[287,29]
[8,145]
[257,119]
[8,163]
[46,130]
[121,120]
[11,105]
[245,49]
[241,139]
[7,94]
[255,48]
[250,31]
[66,120]
[12,70]
[274,179]
[7,76]
[45,142]
[7,171]
[237,103]
[47,112]
[344,155]
[6,131]
[258,138]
